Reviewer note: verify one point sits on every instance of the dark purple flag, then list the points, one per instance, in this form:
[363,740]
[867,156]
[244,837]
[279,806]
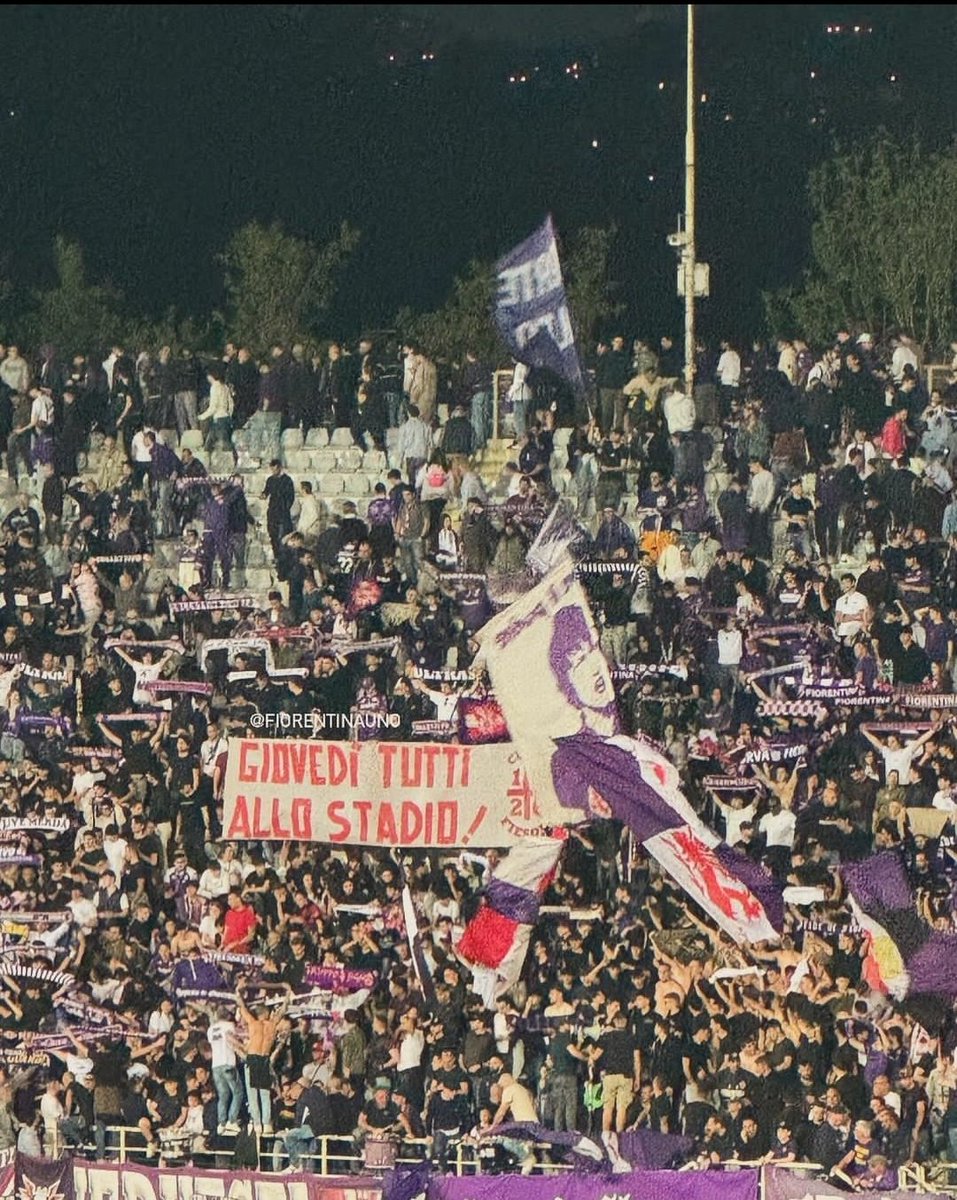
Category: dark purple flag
[641,1150]
[531,310]
[650,1151]
[907,956]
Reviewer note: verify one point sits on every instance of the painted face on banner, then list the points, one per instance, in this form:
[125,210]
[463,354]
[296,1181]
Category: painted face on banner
[587,675]
[580,668]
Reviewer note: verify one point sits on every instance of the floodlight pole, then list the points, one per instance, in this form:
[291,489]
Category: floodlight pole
[688,250]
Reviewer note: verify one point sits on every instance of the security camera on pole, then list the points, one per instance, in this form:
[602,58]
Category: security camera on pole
[693,277]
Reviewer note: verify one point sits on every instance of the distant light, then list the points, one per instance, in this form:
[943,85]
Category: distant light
[595,143]
[814,74]
[893,79]
[704,97]
[391,58]
[728,117]
[651,179]
[857,29]
[661,85]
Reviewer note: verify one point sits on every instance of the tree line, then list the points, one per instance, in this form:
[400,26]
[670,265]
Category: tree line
[882,256]
[282,288]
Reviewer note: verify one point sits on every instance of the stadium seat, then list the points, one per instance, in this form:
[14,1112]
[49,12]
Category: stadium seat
[192,439]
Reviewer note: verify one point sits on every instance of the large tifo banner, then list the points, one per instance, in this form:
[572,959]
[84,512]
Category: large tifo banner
[638,1185]
[105,1181]
[545,661]
[377,793]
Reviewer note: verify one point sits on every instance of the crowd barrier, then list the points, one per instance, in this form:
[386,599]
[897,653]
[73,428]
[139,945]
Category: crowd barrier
[337,1158]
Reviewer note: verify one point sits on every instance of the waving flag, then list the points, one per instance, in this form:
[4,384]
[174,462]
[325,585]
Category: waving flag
[495,941]
[906,956]
[531,310]
[565,727]
[419,961]
[633,781]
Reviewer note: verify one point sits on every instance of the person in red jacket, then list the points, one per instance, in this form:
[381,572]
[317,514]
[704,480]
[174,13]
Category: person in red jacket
[894,435]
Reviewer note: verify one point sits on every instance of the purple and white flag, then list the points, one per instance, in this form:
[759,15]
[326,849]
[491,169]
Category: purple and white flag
[531,309]
[496,940]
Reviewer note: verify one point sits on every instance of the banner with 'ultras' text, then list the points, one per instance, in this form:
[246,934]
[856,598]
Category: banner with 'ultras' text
[377,794]
[105,1181]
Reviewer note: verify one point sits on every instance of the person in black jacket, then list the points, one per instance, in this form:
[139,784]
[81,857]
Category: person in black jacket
[611,375]
[186,376]
[242,375]
[313,1120]
[239,521]
[281,494]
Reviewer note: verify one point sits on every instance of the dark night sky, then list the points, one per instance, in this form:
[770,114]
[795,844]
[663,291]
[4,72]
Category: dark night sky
[150,133]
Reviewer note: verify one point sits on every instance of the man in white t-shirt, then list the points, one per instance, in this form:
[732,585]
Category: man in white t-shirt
[214,882]
[222,1038]
[896,753]
[850,609]
[777,826]
[902,357]
[867,448]
[679,412]
[730,650]
[114,847]
[51,1109]
[85,779]
[729,366]
[84,912]
[446,700]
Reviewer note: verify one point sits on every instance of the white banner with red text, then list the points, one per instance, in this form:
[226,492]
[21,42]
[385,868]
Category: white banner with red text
[378,794]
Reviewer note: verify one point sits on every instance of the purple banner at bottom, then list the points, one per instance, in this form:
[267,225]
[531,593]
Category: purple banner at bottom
[638,1185]
[874,1181]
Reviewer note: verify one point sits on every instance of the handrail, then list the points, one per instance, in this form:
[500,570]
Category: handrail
[917,1178]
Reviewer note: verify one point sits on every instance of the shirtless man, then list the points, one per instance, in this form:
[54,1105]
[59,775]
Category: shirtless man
[261,1029]
[516,1104]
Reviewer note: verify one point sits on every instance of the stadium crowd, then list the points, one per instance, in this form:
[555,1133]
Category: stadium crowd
[791,527]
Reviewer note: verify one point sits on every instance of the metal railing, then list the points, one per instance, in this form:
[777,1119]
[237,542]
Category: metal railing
[336,1155]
